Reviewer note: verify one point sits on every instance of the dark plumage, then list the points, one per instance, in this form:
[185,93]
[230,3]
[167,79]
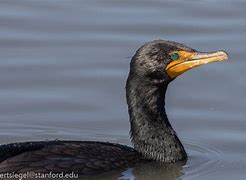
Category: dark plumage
[82,157]
[151,132]
[152,68]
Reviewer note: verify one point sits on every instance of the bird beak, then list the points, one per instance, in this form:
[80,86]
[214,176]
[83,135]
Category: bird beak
[190,60]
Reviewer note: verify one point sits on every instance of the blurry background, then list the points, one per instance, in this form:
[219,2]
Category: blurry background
[63,66]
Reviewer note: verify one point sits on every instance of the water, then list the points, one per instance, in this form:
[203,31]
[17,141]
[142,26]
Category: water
[63,66]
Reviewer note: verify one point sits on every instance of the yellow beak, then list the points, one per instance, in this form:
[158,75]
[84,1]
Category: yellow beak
[190,60]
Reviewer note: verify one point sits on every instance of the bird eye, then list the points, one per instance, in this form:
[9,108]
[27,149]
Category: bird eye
[175,56]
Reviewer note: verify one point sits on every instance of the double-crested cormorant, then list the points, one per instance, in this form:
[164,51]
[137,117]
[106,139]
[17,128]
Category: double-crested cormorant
[152,68]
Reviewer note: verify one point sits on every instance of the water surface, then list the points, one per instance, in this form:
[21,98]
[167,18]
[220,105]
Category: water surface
[63,66]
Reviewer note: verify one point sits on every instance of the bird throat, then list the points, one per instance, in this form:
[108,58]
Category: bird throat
[151,133]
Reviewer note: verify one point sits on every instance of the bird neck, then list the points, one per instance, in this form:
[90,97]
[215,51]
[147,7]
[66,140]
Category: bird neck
[151,133]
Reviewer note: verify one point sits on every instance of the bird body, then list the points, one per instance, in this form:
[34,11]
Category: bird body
[152,68]
[80,157]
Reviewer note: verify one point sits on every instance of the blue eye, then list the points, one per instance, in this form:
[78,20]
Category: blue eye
[175,56]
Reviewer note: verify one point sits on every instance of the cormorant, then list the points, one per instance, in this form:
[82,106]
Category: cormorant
[152,68]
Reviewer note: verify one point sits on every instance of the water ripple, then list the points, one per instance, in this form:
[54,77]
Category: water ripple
[202,160]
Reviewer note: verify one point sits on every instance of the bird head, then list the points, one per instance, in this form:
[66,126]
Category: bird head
[166,60]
